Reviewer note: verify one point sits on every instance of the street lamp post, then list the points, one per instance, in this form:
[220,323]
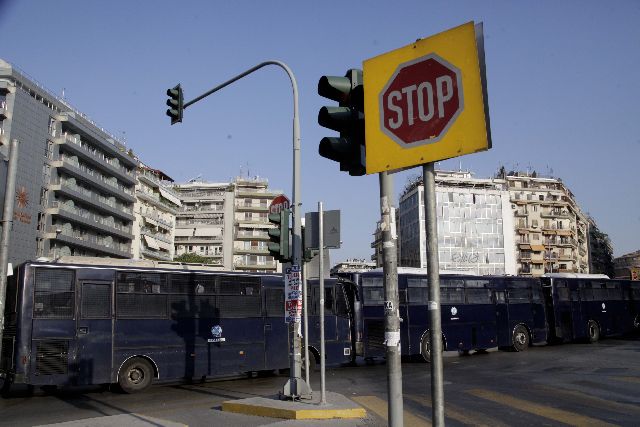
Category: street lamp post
[295,387]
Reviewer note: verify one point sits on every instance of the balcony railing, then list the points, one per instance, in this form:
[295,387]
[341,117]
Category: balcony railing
[99,155]
[93,196]
[90,216]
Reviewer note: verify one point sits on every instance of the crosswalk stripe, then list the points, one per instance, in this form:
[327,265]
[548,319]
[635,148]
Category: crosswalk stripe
[560,415]
[607,405]
[463,415]
[379,407]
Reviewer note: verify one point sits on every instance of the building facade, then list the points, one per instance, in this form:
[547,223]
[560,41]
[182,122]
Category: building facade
[551,230]
[474,223]
[226,222]
[155,215]
[75,182]
[627,266]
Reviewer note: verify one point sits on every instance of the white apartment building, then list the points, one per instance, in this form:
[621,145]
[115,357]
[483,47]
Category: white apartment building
[155,212]
[475,225]
[226,222]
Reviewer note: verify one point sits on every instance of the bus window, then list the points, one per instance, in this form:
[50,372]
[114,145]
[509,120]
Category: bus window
[536,293]
[274,302]
[328,299]
[239,285]
[518,296]
[562,290]
[53,294]
[373,296]
[451,291]
[139,296]
[478,296]
[342,307]
[372,281]
[96,301]
[614,291]
[418,291]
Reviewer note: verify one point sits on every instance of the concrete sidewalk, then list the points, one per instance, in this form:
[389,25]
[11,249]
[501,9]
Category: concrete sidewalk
[337,407]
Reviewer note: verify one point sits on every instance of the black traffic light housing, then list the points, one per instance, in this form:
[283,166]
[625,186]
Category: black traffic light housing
[347,118]
[279,236]
[175,103]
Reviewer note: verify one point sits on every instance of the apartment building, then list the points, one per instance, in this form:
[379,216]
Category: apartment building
[75,181]
[226,222]
[474,221]
[204,222]
[551,230]
[155,215]
[627,266]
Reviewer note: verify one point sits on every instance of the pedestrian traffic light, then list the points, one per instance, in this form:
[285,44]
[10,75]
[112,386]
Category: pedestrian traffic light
[279,236]
[347,118]
[175,103]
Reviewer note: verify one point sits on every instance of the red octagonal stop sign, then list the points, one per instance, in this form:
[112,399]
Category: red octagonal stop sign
[421,101]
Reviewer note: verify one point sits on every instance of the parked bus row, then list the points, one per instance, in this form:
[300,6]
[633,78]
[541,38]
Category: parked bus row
[95,323]
[481,312]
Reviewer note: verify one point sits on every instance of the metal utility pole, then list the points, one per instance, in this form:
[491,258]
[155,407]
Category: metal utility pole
[323,398]
[305,317]
[433,271]
[7,222]
[391,301]
[295,387]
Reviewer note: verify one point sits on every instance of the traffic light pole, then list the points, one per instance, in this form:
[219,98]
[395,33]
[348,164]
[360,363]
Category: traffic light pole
[295,387]
[391,302]
[433,272]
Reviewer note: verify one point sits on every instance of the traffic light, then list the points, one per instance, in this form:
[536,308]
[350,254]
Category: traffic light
[279,236]
[175,104]
[347,118]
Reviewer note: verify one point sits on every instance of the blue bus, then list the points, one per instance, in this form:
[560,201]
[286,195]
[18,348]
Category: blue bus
[588,307]
[118,321]
[478,312]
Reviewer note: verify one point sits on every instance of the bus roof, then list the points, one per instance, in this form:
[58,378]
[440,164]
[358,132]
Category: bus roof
[423,271]
[576,275]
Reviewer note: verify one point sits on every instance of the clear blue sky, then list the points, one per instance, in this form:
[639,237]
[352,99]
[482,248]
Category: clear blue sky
[564,91]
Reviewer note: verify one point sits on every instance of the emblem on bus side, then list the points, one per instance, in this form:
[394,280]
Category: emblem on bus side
[216,332]
[454,311]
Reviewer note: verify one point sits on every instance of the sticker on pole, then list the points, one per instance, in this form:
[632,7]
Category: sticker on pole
[293,295]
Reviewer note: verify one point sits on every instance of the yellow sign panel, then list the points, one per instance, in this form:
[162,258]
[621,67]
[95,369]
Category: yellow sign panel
[426,101]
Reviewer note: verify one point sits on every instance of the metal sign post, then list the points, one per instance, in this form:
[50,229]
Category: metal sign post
[323,398]
[433,272]
[391,302]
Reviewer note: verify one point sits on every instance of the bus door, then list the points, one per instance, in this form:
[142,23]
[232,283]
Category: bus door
[276,331]
[502,317]
[417,313]
[94,332]
[579,327]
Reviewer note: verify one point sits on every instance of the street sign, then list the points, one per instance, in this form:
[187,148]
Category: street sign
[426,101]
[279,203]
[331,230]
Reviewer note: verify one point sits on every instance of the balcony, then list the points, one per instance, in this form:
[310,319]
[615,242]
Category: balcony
[3,110]
[89,219]
[111,166]
[156,200]
[252,265]
[251,235]
[88,241]
[154,254]
[555,213]
[252,251]
[90,198]
[254,207]
[75,169]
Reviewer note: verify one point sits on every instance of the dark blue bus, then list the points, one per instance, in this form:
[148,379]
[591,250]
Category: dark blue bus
[478,312]
[101,323]
[587,307]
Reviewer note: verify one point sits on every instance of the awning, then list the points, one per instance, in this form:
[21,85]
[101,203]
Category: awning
[183,232]
[208,231]
[525,245]
[164,245]
[170,196]
[537,248]
[523,231]
[564,232]
[151,242]
[537,261]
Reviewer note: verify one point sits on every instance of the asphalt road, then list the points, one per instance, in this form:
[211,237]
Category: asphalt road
[574,384]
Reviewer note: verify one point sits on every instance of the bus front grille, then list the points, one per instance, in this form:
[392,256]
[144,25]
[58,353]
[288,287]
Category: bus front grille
[52,357]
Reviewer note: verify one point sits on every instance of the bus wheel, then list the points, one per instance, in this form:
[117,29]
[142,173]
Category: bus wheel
[636,322]
[520,338]
[135,376]
[425,347]
[593,331]
[313,363]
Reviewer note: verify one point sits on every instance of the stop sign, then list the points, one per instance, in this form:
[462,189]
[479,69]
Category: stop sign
[421,100]
[279,203]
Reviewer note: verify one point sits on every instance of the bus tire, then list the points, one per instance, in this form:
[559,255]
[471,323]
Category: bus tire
[425,347]
[593,331]
[636,322]
[135,375]
[520,338]
[313,362]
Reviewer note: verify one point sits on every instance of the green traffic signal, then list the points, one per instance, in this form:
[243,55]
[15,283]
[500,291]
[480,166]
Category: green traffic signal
[279,236]
[175,102]
[347,118]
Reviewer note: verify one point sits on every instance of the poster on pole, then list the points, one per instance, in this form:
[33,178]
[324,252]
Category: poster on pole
[292,295]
